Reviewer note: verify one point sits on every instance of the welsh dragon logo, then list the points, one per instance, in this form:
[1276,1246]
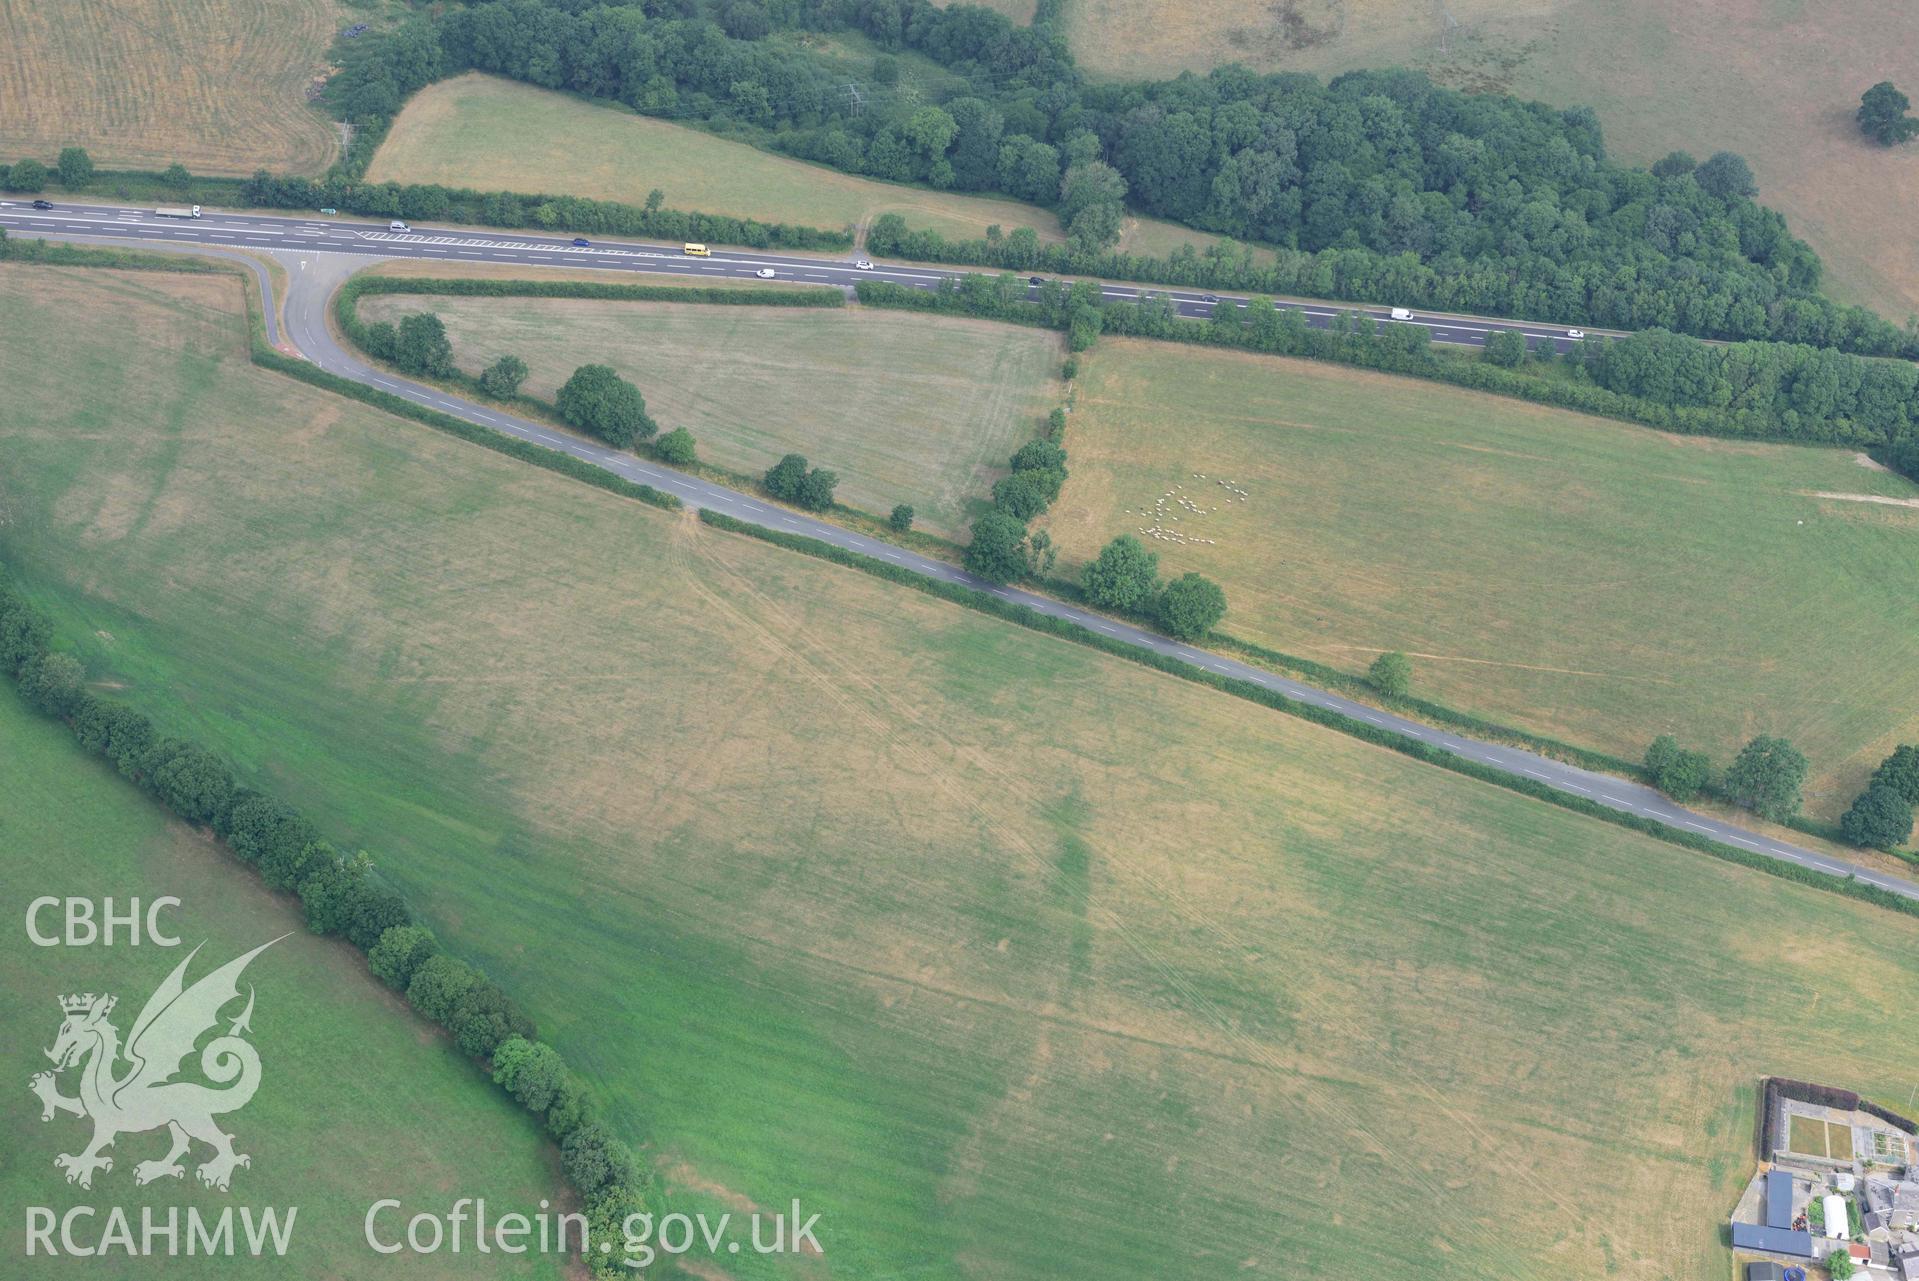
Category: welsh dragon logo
[144,1096]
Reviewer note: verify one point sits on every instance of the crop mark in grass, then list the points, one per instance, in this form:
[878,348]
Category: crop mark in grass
[828,670]
[1459,905]
[1072,889]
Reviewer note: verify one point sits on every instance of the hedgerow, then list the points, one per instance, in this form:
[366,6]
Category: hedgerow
[1035,620]
[1752,391]
[342,896]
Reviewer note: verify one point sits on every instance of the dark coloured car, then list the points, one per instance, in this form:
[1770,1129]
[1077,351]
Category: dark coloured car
[43,204]
[1209,297]
[579,242]
[1036,280]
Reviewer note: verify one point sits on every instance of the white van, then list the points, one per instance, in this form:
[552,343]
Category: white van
[1402,313]
[396,225]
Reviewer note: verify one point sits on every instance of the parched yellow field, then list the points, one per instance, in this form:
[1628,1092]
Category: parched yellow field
[1777,83]
[1020,11]
[1008,958]
[1158,39]
[485,132]
[218,85]
[1586,579]
[482,131]
[922,410]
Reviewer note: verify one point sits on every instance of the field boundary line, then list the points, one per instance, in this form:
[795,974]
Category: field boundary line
[1851,884]
[1065,629]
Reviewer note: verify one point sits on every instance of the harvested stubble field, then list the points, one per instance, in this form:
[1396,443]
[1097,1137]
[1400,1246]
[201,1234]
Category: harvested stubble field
[1595,581]
[907,409]
[1777,83]
[218,85]
[358,1100]
[485,132]
[1008,958]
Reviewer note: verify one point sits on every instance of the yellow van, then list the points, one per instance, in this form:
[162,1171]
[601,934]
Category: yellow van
[697,251]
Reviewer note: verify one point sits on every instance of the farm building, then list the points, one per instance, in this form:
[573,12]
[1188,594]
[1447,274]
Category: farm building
[1775,1234]
[1837,1227]
[1763,1240]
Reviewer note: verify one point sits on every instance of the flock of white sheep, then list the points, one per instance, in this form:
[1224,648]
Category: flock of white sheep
[1161,512]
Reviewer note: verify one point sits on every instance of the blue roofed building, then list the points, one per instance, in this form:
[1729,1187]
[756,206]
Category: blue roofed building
[1752,1236]
[1778,1199]
[1775,1235]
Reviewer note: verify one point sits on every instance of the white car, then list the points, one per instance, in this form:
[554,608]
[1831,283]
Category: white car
[1575,333]
[766,273]
[1402,313]
[396,225]
[862,265]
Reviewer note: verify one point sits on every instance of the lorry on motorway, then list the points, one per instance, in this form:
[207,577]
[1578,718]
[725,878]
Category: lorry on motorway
[178,211]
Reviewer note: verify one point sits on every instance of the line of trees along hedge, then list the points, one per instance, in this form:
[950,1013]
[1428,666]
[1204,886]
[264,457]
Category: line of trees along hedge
[790,481]
[341,897]
[428,202]
[1752,391]
[1881,815]
[1478,202]
[1028,617]
[1124,578]
[1000,549]
[748,296]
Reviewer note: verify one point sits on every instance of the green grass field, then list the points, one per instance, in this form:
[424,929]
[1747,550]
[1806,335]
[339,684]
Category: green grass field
[481,131]
[217,85]
[1776,82]
[921,409]
[1009,959]
[357,1100]
[1598,582]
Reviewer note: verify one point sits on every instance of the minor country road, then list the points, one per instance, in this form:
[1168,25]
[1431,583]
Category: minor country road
[313,277]
[372,239]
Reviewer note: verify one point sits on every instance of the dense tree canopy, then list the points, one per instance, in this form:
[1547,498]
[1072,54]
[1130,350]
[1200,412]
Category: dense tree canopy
[75,167]
[1675,770]
[1880,818]
[1766,776]
[1882,115]
[503,377]
[790,481]
[997,551]
[1513,207]
[597,400]
[421,346]
[1900,771]
[1190,606]
[1123,576]
[1391,674]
